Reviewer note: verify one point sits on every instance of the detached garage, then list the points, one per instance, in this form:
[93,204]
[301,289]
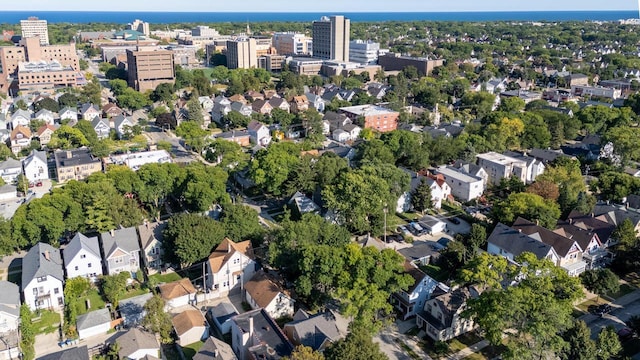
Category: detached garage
[93,323]
[190,326]
[433,225]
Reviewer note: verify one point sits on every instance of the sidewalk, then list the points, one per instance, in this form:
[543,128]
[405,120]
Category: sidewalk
[619,302]
[470,350]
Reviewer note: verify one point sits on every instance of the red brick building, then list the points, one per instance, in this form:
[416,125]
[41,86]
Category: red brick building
[372,117]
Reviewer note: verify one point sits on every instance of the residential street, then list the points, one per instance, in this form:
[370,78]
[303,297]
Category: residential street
[624,308]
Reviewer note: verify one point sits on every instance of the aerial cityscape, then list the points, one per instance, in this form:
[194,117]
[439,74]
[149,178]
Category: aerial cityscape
[330,181]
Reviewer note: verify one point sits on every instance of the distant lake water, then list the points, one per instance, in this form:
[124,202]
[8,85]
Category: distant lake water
[13,17]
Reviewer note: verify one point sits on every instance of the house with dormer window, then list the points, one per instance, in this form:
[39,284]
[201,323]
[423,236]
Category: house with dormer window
[121,251]
[230,265]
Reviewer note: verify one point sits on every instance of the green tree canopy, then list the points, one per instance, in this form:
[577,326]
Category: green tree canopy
[190,238]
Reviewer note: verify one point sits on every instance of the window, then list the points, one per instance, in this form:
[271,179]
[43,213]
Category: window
[76,268]
[89,265]
[83,256]
[56,291]
[42,279]
[60,301]
[224,284]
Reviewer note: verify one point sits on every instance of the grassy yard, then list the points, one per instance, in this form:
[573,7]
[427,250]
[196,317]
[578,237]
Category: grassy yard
[633,279]
[135,292]
[624,290]
[165,278]
[435,272]
[192,349]
[47,321]
[585,305]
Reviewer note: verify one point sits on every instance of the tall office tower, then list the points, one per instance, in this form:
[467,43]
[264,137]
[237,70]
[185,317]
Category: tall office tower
[242,53]
[140,26]
[290,43]
[33,27]
[149,67]
[331,38]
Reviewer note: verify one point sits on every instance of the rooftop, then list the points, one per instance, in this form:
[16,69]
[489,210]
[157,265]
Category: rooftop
[498,158]
[367,110]
[75,157]
[270,342]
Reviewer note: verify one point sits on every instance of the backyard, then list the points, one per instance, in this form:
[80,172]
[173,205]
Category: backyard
[46,321]
[165,278]
[191,349]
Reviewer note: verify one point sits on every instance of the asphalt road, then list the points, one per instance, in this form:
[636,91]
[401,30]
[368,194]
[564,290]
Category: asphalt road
[616,318]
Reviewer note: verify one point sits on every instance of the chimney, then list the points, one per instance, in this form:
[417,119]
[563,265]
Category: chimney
[537,222]
[69,154]
[251,326]
[112,232]
[47,255]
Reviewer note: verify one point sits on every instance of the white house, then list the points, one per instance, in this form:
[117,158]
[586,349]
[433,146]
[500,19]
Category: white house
[9,170]
[93,323]
[8,192]
[190,326]
[101,126]
[137,344]
[262,292]
[35,166]
[340,135]
[45,115]
[500,166]
[68,114]
[121,251]
[230,265]
[178,293]
[9,306]
[442,316]
[89,111]
[534,167]
[464,187]
[259,133]
[206,103]
[122,125]
[82,257]
[151,236]
[316,101]
[20,138]
[20,118]
[440,191]
[43,278]
[510,243]
[410,302]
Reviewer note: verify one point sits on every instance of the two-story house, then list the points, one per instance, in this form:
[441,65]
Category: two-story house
[20,118]
[500,167]
[44,133]
[121,251]
[111,110]
[280,103]
[411,302]
[45,115]
[440,191]
[262,107]
[89,111]
[82,257]
[76,164]
[316,331]
[255,335]
[151,236]
[69,115]
[101,126]
[123,126]
[510,243]
[230,265]
[594,252]
[35,166]
[299,104]
[20,138]
[9,170]
[259,133]
[464,187]
[442,317]
[43,278]
[261,292]
[9,320]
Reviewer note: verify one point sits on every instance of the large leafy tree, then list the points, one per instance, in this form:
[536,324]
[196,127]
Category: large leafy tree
[421,198]
[46,103]
[357,345]
[579,343]
[241,223]
[159,180]
[529,206]
[66,137]
[271,167]
[190,238]
[600,281]
[156,319]
[608,344]
[114,287]
[204,186]
[228,154]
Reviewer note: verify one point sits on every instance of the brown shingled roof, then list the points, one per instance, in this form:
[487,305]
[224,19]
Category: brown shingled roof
[225,250]
[21,129]
[560,244]
[176,289]
[187,320]
[262,289]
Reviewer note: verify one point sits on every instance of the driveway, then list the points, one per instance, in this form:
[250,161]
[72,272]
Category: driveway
[391,336]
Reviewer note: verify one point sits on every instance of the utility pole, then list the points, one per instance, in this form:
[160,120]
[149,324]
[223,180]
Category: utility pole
[385,223]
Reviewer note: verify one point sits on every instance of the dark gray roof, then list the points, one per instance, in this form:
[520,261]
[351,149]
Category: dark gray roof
[150,231]
[272,343]
[78,353]
[134,340]
[315,330]
[515,242]
[546,155]
[78,157]
[10,164]
[214,349]
[78,243]
[125,239]
[93,318]
[419,250]
[223,312]
[35,263]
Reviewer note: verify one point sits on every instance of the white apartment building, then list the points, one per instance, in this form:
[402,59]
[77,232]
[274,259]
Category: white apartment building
[365,52]
[290,43]
[464,187]
[500,166]
[33,27]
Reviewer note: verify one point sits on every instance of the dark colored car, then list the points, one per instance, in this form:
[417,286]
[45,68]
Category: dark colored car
[625,334]
[455,220]
[603,309]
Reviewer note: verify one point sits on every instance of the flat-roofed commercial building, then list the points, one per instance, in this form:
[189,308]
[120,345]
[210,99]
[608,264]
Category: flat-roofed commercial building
[331,38]
[33,76]
[395,62]
[149,67]
[34,27]
[290,43]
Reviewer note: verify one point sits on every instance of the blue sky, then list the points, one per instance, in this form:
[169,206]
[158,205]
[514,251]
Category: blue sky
[317,6]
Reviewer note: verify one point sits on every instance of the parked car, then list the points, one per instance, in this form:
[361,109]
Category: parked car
[39,183]
[455,220]
[625,334]
[31,185]
[603,309]
[403,229]
[417,229]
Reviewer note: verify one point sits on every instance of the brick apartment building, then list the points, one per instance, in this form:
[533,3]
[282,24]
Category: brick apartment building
[149,67]
[372,117]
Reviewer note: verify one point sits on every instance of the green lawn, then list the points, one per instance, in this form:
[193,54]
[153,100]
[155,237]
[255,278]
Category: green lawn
[435,272]
[47,321]
[135,292]
[191,349]
[455,345]
[585,305]
[624,290]
[95,301]
[165,278]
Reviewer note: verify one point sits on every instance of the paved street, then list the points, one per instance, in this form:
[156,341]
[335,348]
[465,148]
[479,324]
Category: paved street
[624,308]
[390,338]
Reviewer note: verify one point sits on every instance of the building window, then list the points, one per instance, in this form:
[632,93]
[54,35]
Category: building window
[56,291]
[60,302]
[42,279]
[76,268]
[83,256]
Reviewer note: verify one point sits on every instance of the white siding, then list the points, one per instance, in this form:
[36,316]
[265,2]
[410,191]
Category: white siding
[48,289]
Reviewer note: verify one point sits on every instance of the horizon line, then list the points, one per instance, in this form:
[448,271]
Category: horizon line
[321,11]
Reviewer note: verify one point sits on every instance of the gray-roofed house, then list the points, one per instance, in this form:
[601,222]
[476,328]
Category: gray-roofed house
[510,243]
[221,316]
[410,302]
[77,353]
[93,323]
[82,257]
[35,166]
[89,111]
[132,309]
[68,114]
[214,349]
[255,335]
[76,164]
[121,251]
[442,316]
[101,127]
[10,169]
[316,331]
[9,306]
[135,344]
[43,278]
[422,252]
[151,236]
[123,126]
[20,118]
[45,115]
[302,204]
[8,192]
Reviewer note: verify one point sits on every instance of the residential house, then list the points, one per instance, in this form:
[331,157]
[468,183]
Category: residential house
[442,316]
[43,278]
[598,225]
[421,252]
[221,107]
[243,109]
[340,135]
[253,96]
[238,98]
[230,265]
[20,118]
[151,236]
[8,192]
[534,166]
[262,292]
[473,170]
[76,164]
[20,138]
[316,101]
[269,94]
[9,170]
[214,349]
[178,293]
[111,110]
[615,215]
[301,204]
[102,127]
[89,111]
[262,107]
[464,187]
[9,320]
[594,252]
[206,103]
[68,114]
[93,323]
[280,103]
[510,243]
[121,251]
[500,167]
[123,126]
[190,327]
[259,133]
[74,353]
[440,190]
[409,303]
[82,257]
[336,121]
[316,331]
[221,315]
[135,344]
[132,309]
[44,134]
[494,86]
[255,335]
[353,131]
[299,104]
[240,137]
[45,115]
[35,166]
[569,251]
